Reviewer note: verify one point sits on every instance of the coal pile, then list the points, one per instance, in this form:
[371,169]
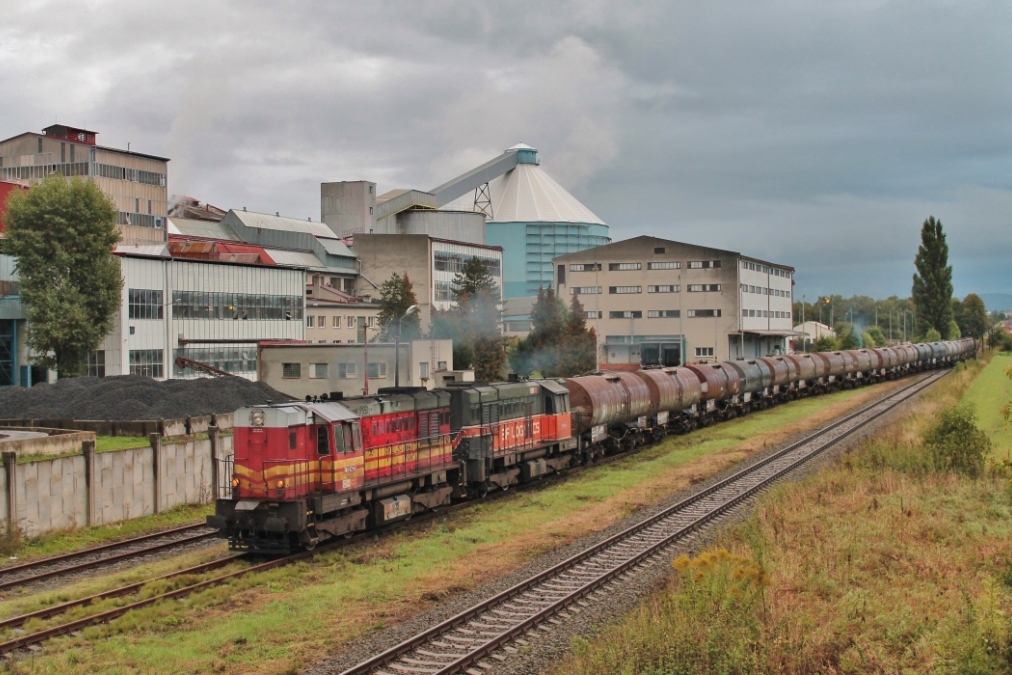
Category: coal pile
[129,397]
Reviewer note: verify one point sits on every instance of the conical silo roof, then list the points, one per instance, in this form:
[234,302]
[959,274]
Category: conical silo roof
[527,194]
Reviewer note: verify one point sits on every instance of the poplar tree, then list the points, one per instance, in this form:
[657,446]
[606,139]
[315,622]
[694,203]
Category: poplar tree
[932,289]
[62,235]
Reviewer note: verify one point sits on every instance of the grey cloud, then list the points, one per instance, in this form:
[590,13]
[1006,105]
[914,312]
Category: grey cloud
[817,134]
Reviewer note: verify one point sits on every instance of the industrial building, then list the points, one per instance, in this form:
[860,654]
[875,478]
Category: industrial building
[658,302]
[210,312]
[431,264]
[301,370]
[135,182]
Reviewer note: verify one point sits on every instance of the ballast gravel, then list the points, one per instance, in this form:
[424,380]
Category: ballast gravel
[546,647]
[131,397]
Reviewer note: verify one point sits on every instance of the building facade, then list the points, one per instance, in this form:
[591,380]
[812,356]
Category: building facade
[431,264]
[301,370]
[658,302]
[136,183]
[330,322]
[212,312]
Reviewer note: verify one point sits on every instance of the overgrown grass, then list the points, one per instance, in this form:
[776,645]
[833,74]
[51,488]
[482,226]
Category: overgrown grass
[286,618]
[112,443]
[988,393]
[881,563]
[53,543]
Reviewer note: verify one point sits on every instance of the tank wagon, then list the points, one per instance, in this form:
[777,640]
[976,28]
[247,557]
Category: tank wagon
[304,472]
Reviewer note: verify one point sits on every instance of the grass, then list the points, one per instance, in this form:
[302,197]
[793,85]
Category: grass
[878,564]
[112,443]
[53,543]
[285,619]
[988,393]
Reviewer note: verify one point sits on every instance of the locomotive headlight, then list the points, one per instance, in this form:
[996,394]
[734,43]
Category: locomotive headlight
[281,483]
[257,418]
[235,481]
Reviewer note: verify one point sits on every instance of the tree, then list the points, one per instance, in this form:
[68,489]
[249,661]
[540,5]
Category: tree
[62,235]
[875,337]
[397,294]
[578,349]
[539,351]
[473,323]
[973,320]
[825,344]
[932,289]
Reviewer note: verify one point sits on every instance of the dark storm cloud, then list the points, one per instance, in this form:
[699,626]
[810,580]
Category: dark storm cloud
[816,134]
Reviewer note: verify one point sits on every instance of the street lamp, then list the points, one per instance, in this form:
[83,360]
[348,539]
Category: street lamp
[397,345]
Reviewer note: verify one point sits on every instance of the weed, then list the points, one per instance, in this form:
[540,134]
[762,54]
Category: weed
[955,442]
[11,540]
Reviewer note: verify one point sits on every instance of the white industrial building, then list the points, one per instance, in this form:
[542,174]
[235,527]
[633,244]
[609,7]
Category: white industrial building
[212,312]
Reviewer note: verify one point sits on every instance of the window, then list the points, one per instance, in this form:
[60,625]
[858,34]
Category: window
[336,321]
[704,352]
[96,363]
[664,289]
[664,313]
[40,145]
[665,265]
[72,146]
[291,370]
[626,315]
[624,267]
[585,290]
[144,304]
[377,370]
[63,153]
[347,371]
[146,362]
[618,290]
[703,264]
[658,249]
[703,288]
[202,305]
[585,267]
[319,371]
[423,370]
[592,314]
[701,313]
[310,322]
[149,207]
[321,321]
[370,321]
[370,210]
[440,365]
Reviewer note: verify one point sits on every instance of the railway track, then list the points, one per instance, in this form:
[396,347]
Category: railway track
[14,576]
[460,643]
[23,641]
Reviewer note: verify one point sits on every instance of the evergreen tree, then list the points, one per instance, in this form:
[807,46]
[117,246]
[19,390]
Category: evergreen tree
[932,288]
[473,323]
[578,349]
[397,294]
[62,235]
[539,351]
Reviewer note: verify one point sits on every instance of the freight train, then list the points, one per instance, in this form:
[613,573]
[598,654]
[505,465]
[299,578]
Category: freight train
[305,472]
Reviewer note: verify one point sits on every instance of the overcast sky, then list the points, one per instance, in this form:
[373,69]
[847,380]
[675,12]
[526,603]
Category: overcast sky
[816,134]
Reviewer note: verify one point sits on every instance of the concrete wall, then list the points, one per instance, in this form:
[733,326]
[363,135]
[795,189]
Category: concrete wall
[102,488]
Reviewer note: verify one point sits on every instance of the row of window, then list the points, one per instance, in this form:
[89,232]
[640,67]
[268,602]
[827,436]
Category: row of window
[122,173]
[139,219]
[39,171]
[622,290]
[146,362]
[348,370]
[704,352]
[775,292]
[657,314]
[633,266]
[204,305]
[144,304]
[448,261]
[765,269]
[313,321]
[765,314]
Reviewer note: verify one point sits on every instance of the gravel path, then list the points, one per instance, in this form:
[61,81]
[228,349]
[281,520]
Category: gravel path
[551,643]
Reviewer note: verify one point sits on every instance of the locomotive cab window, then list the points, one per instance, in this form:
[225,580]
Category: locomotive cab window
[322,440]
[293,440]
[339,445]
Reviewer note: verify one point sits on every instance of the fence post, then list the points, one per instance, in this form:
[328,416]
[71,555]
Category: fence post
[212,434]
[156,468]
[91,489]
[10,460]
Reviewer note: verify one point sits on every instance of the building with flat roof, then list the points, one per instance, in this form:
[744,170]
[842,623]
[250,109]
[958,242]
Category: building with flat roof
[301,370]
[658,302]
[136,183]
[431,264]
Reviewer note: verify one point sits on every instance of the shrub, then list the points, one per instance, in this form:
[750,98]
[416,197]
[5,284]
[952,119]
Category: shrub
[955,442]
[11,540]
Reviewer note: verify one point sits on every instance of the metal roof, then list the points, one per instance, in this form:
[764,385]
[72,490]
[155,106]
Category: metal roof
[527,194]
[294,258]
[335,246]
[204,229]
[266,222]
[156,250]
